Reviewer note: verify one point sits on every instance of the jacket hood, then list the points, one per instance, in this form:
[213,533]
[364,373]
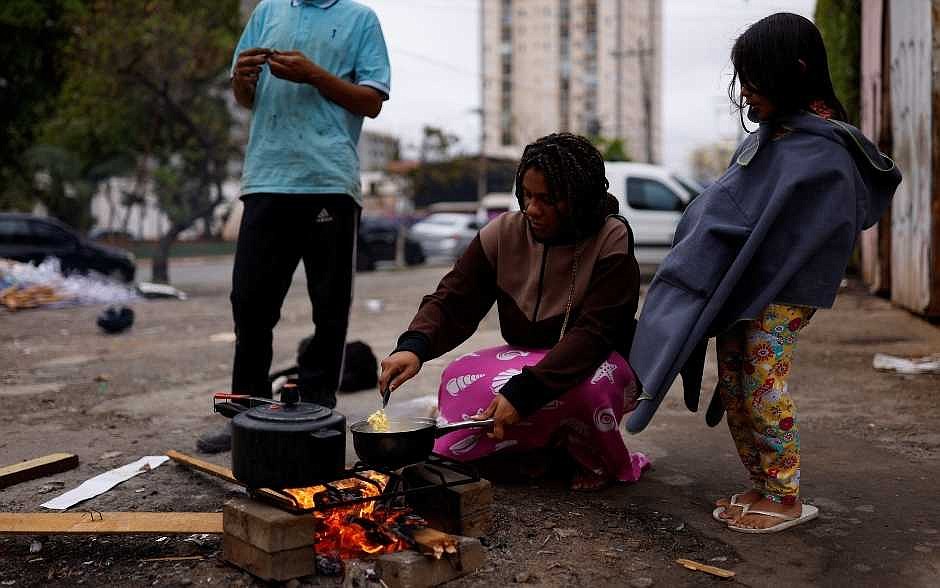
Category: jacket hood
[878,171]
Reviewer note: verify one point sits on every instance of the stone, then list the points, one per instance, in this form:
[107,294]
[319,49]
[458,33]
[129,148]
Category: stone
[409,569]
[278,566]
[266,527]
[460,510]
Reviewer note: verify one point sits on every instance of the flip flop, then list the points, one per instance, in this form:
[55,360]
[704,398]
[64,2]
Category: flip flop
[808,513]
[716,514]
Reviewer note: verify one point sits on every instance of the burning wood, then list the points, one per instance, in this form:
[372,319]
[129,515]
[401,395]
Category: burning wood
[367,528]
[433,542]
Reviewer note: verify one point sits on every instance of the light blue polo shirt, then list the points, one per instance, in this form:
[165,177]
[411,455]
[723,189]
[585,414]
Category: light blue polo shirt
[301,142]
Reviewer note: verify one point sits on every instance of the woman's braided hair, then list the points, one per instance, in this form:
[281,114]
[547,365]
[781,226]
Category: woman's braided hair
[574,171]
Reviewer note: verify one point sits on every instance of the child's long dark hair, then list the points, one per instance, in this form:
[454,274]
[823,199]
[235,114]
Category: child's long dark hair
[766,59]
[574,171]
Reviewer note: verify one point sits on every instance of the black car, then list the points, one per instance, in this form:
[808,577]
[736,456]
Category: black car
[30,238]
[377,237]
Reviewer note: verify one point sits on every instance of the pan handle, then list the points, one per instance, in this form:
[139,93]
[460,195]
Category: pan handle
[451,427]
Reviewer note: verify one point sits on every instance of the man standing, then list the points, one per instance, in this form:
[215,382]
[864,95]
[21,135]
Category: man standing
[309,70]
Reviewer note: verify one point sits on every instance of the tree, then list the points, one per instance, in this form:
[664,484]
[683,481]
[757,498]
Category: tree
[613,149]
[150,78]
[33,34]
[840,22]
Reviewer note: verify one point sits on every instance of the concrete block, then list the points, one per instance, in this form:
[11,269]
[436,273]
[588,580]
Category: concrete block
[279,566]
[267,527]
[460,510]
[409,569]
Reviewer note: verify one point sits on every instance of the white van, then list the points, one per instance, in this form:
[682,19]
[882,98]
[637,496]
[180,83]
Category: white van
[652,199]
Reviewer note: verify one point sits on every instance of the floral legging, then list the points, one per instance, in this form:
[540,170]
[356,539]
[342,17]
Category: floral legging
[754,358]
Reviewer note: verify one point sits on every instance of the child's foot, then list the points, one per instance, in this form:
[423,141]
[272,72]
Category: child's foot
[586,481]
[761,521]
[732,512]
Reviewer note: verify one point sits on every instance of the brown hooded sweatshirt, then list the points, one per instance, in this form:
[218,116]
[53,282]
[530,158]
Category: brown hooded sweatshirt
[531,282]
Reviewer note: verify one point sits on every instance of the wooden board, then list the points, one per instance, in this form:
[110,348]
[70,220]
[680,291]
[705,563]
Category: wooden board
[32,469]
[108,523]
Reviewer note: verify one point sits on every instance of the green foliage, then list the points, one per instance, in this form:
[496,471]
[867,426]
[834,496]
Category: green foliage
[613,149]
[148,81]
[33,34]
[840,22]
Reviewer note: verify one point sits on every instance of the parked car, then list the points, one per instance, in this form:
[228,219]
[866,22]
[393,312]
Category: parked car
[652,199]
[445,234]
[30,238]
[377,240]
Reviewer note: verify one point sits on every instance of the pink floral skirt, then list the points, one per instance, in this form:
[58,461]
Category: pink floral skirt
[584,421]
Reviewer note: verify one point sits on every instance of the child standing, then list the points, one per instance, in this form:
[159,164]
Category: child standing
[756,255]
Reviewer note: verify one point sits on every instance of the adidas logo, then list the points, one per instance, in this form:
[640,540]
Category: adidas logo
[324,217]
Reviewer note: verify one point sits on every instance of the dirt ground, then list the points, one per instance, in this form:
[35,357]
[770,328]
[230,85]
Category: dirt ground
[870,444]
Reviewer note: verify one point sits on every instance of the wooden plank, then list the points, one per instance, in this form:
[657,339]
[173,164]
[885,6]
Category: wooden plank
[32,469]
[203,466]
[700,567]
[110,523]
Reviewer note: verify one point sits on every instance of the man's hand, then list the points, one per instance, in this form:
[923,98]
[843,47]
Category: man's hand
[397,369]
[294,66]
[247,70]
[502,412]
[248,65]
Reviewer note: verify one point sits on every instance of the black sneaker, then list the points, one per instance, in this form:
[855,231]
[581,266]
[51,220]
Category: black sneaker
[216,442]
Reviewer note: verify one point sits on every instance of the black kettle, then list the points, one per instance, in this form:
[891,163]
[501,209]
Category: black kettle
[286,444]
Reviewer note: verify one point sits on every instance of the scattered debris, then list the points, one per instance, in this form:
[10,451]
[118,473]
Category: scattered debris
[32,469]
[700,567]
[174,558]
[375,305]
[151,290]
[523,578]
[110,455]
[116,319]
[103,378]
[919,365]
[35,547]
[329,566]
[222,338]
[641,582]
[24,285]
[565,533]
[50,487]
[104,482]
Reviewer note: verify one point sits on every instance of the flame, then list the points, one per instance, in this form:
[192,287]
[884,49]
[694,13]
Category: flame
[351,531]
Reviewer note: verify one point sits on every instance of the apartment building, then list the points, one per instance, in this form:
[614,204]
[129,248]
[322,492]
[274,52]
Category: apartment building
[586,66]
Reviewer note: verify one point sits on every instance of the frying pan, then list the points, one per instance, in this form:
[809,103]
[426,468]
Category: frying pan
[408,440]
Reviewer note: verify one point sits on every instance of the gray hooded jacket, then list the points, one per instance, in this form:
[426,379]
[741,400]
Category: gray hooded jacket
[778,227]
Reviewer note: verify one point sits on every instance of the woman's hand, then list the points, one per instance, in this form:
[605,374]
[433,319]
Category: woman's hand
[502,412]
[397,369]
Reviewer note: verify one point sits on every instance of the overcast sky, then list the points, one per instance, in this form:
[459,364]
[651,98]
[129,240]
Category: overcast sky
[434,46]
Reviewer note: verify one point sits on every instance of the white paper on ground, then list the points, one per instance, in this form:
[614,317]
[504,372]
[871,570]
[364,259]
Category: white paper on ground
[921,365]
[104,482]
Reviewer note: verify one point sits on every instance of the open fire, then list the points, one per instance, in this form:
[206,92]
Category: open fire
[367,528]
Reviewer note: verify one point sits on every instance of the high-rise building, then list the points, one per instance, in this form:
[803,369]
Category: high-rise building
[586,66]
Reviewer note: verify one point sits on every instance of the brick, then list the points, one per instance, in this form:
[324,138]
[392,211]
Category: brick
[409,569]
[266,527]
[279,566]
[461,510]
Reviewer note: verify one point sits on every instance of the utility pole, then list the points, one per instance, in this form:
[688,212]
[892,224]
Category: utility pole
[644,53]
[481,166]
[619,56]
